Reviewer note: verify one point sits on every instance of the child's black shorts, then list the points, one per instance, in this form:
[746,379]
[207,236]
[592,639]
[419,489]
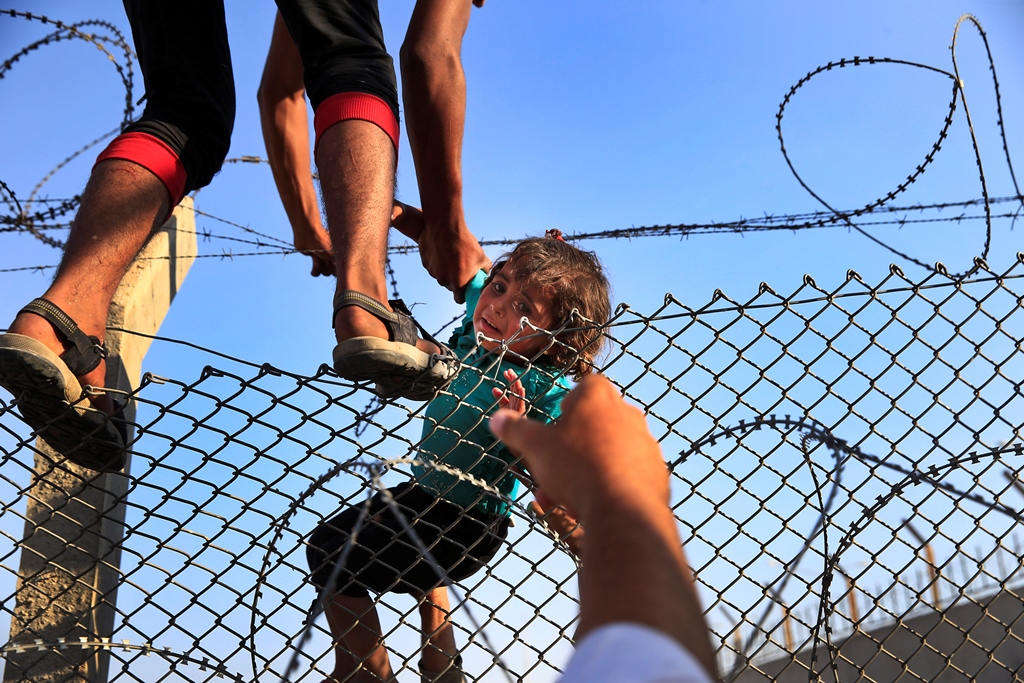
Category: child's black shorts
[384,558]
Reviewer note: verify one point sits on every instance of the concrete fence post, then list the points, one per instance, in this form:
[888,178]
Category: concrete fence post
[66,595]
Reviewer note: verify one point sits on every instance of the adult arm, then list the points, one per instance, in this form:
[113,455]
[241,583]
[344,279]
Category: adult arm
[601,462]
[407,220]
[285,126]
[434,95]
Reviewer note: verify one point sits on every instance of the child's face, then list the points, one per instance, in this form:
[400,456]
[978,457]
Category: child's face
[504,302]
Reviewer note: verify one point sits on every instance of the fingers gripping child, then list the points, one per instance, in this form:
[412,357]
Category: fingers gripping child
[534,321]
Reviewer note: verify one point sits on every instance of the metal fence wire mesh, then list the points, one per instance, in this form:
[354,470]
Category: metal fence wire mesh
[845,473]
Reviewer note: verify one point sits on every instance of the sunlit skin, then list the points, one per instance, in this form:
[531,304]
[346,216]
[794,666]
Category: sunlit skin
[503,304]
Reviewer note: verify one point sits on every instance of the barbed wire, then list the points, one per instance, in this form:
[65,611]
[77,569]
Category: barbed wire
[125,70]
[791,222]
[958,92]
[83,642]
[22,222]
[809,430]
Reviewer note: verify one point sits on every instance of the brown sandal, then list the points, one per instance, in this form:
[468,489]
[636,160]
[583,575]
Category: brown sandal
[395,364]
[52,400]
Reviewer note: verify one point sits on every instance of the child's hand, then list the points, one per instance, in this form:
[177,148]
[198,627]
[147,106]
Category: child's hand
[513,398]
[565,527]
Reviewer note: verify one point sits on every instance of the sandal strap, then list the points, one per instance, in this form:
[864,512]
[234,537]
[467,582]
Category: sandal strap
[401,326]
[350,297]
[86,351]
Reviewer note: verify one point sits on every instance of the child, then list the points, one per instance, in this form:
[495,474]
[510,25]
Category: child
[509,360]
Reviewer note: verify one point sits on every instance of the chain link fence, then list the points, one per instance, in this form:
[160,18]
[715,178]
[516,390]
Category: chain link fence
[844,466]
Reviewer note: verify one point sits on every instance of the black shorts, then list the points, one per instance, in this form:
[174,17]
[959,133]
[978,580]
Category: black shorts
[190,89]
[384,558]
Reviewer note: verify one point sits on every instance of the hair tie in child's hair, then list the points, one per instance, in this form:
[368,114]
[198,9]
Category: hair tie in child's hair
[555,234]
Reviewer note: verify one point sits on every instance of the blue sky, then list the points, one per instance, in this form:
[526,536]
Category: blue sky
[583,117]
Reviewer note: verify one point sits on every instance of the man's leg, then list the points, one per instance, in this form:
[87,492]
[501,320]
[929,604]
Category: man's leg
[350,81]
[122,204]
[176,146]
[357,177]
[186,66]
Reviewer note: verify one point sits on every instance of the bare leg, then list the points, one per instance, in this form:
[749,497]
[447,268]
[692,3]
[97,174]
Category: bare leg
[357,640]
[439,649]
[123,203]
[357,178]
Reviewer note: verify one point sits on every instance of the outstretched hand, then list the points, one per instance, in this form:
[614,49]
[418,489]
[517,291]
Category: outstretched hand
[600,450]
[601,463]
[316,243]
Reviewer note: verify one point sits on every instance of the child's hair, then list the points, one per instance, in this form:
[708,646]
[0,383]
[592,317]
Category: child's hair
[575,280]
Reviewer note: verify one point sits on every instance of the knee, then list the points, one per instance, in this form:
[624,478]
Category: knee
[435,600]
[423,54]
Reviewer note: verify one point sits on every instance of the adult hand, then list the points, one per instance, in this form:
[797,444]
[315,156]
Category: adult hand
[598,455]
[452,256]
[316,243]
[600,461]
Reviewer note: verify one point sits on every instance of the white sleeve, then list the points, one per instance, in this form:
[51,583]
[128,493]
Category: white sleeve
[631,653]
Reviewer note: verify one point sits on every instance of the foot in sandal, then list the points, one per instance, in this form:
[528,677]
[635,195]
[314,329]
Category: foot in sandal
[50,397]
[399,364]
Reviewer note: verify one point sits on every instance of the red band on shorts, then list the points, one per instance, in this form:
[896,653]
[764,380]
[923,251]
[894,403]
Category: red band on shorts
[154,155]
[346,106]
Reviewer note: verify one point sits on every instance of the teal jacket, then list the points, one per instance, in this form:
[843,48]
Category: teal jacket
[455,430]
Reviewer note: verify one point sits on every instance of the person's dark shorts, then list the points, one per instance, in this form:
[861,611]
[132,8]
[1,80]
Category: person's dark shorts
[384,557]
[185,62]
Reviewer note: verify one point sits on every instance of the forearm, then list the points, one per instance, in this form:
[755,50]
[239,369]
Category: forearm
[637,573]
[434,95]
[407,220]
[602,463]
[285,126]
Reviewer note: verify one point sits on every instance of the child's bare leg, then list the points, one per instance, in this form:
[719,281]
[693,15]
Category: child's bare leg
[359,652]
[439,649]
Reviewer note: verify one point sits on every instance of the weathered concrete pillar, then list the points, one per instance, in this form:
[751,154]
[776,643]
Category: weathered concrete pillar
[74,522]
